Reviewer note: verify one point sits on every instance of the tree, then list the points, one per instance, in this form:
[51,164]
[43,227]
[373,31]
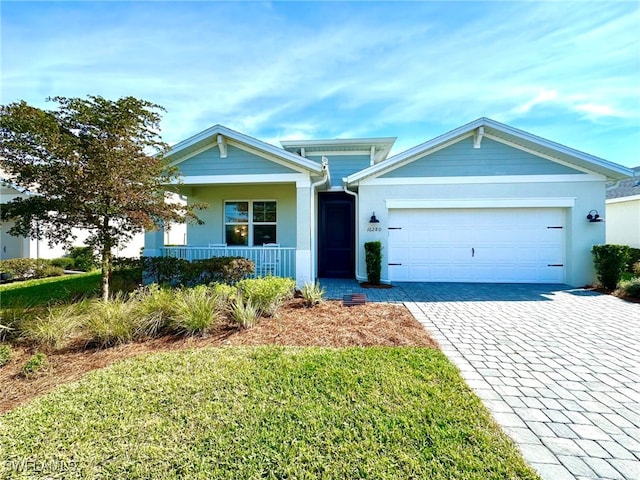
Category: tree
[92,163]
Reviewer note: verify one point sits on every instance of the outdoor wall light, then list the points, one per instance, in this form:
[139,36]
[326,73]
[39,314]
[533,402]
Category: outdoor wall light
[593,216]
[373,218]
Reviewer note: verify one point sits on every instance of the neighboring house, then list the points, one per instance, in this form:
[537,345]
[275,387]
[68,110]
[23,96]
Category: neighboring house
[623,211]
[23,247]
[482,203]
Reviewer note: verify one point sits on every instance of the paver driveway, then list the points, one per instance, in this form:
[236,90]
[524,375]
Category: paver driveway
[558,367]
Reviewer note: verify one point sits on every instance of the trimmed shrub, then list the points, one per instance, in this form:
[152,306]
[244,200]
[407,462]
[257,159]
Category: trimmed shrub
[610,262]
[267,293]
[126,275]
[164,270]
[66,263]
[228,270]
[51,271]
[629,288]
[84,258]
[634,260]
[176,271]
[5,354]
[35,366]
[312,294]
[29,268]
[373,259]
[194,310]
[224,294]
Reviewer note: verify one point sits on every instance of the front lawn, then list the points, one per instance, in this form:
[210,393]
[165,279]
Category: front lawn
[50,290]
[263,412]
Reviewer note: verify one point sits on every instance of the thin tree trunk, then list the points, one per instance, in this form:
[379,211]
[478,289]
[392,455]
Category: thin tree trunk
[106,260]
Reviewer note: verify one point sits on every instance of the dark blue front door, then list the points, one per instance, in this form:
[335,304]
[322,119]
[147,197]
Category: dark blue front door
[336,235]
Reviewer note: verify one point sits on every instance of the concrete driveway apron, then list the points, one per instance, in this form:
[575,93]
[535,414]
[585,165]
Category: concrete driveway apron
[559,369]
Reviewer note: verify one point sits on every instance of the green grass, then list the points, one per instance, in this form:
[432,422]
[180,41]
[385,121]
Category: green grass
[267,412]
[50,290]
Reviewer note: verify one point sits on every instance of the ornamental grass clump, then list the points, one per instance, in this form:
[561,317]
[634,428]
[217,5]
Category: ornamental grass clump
[112,322]
[195,310]
[53,328]
[312,294]
[154,307]
[243,312]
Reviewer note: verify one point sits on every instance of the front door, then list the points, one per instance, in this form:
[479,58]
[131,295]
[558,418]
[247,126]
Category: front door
[336,235]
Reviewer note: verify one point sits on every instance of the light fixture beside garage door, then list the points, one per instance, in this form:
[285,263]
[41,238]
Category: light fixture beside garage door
[593,216]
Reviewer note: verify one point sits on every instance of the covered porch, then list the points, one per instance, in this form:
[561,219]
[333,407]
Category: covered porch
[268,223]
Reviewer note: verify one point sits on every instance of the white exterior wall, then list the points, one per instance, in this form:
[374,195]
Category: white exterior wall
[623,221]
[581,235]
[21,247]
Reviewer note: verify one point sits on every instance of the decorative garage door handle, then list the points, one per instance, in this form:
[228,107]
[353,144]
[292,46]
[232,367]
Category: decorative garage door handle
[473,252]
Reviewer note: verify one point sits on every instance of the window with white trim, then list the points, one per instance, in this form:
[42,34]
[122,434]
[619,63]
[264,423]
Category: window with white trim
[250,222]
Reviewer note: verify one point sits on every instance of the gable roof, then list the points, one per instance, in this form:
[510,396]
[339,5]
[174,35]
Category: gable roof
[209,139]
[506,134]
[625,188]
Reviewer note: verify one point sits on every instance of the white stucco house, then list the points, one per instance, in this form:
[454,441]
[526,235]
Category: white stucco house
[482,203]
[24,247]
[623,211]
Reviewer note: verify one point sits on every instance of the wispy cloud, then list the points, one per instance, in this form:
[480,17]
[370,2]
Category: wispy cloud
[281,70]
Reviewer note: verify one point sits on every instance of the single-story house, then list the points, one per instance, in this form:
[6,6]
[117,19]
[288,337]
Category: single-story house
[623,211]
[482,203]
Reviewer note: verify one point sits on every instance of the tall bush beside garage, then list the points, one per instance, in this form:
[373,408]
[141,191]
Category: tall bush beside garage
[610,262]
[373,258]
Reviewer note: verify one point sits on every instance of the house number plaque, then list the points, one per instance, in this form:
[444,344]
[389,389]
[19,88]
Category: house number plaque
[374,229]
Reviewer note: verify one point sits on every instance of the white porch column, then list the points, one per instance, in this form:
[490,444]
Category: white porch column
[153,243]
[304,217]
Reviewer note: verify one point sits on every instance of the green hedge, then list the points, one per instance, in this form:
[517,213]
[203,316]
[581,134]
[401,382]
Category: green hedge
[634,258]
[28,268]
[610,262]
[176,271]
[373,258]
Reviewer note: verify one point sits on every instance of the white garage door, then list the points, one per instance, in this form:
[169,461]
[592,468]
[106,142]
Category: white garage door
[497,245]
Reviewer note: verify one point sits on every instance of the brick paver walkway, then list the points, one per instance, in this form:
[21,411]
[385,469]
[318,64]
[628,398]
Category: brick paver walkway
[559,368]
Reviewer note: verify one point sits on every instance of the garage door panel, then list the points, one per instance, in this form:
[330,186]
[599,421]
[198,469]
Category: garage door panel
[479,245]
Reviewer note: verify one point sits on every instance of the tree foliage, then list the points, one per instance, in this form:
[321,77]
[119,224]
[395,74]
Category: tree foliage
[92,163]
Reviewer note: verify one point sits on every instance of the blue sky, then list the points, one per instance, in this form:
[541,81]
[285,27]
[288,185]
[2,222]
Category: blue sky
[566,71]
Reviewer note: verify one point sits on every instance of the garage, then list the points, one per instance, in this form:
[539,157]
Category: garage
[495,245]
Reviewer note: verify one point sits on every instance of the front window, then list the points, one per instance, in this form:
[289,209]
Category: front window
[250,222]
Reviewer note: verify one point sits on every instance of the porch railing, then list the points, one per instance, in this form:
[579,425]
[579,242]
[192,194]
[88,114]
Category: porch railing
[277,261]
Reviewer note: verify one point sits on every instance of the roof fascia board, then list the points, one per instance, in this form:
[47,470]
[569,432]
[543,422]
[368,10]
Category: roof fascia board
[338,142]
[498,179]
[538,153]
[408,156]
[601,162]
[274,158]
[614,170]
[630,198]
[243,141]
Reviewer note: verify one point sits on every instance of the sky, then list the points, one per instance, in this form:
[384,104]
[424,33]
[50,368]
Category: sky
[565,71]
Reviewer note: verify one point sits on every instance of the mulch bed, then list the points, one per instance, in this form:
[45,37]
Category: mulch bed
[327,325]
